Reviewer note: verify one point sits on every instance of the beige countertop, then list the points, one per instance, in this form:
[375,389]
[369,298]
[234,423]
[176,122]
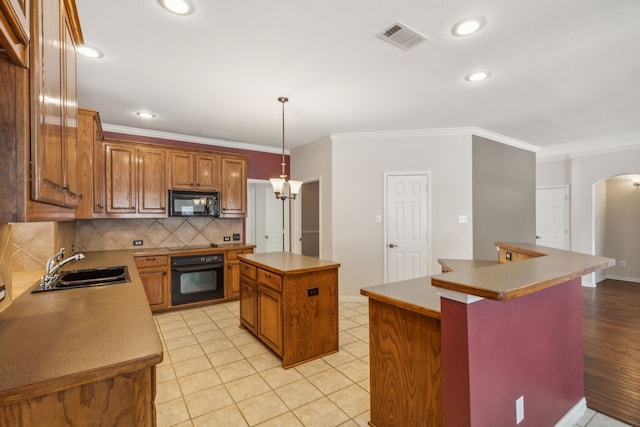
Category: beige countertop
[52,339]
[464,264]
[195,250]
[489,279]
[414,294]
[547,267]
[288,263]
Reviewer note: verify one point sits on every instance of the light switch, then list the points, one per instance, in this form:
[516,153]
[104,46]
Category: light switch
[462,219]
[378,219]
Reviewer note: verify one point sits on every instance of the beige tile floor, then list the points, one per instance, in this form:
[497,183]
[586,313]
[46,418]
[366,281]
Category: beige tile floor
[216,374]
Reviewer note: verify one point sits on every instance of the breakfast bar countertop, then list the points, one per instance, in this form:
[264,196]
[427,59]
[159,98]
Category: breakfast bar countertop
[543,267]
[52,339]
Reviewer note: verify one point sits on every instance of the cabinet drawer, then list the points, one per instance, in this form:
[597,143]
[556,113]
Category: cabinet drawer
[151,261]
[269,279]
[248,271]
[232,255]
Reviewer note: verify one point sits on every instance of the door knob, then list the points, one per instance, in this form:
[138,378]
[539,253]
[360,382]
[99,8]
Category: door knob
[392,245]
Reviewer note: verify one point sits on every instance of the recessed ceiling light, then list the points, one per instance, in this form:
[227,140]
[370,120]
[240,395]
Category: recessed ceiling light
[179,7]
[477,76]
[145,115]
[89,51]
[468,26]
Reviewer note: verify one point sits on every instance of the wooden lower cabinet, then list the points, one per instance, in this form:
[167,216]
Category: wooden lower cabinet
[232,272]
[290,302]
[270,318]
[249,305]
[154,274]
[406,367]
[124,399]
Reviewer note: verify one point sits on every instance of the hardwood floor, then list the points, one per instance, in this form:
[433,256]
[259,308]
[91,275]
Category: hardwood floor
[611,319]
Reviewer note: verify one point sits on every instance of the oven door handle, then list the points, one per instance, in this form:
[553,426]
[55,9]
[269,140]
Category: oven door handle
[195,269]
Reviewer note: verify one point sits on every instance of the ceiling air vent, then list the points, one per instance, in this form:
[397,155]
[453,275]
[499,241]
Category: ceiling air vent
[401,36]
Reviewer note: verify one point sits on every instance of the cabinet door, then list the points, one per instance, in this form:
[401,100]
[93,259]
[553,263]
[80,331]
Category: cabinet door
[249,305]
[14,30]
[99,174]
[120,174]
[70,115]
[270,318]
[47,100]
[155,286]
[152,180]
[207,173]
[85,146]
[233,193]
[181,171]
[232,279]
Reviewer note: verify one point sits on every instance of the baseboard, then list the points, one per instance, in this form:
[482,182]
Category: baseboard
[574,414]
[623,278]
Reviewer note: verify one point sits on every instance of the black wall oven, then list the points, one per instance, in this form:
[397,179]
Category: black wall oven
[197,278]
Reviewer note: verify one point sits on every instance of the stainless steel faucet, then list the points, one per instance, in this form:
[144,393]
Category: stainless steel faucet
[53,265]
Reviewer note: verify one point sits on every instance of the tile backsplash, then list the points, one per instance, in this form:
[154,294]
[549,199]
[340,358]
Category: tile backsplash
[111,234]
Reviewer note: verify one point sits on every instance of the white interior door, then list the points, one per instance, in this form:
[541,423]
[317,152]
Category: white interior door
[552,217]
[407,222]
[250,221]
[274,233]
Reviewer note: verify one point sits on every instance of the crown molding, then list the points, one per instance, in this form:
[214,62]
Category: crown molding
[188,138]
[590,147]
[413,133]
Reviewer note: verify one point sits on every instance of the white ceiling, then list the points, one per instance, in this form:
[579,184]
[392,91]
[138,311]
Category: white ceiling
[563,72]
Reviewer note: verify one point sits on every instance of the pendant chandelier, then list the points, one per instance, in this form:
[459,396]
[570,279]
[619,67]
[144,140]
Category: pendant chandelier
[283,188]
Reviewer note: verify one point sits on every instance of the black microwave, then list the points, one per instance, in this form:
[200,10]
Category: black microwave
[194,203]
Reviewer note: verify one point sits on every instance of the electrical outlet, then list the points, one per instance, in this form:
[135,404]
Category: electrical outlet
[519,409]
[508,256]
[236,236]
[137,243]
[623,263]
[312,292]
[227,238]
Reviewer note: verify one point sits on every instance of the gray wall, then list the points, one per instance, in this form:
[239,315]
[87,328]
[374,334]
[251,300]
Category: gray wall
[504,196]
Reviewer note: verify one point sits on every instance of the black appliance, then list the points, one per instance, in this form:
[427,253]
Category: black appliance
[197,278]
[194,203]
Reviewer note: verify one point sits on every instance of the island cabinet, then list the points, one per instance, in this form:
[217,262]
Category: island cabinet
[460,348]
[290,302]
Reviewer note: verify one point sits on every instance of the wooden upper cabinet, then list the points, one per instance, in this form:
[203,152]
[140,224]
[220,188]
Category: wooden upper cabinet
[152,180]
[14,30]
[182,171]
[207,172]
[55,32]
[194,171]
[136,180]
[233,194]
[120,162]
[89,131]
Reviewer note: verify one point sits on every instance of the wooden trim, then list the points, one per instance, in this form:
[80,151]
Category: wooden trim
[74,21]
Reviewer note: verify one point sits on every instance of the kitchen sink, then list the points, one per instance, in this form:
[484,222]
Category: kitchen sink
[89,277]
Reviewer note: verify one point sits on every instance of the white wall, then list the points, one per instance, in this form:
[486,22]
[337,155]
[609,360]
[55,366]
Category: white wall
[359,164]
[310,162]
[584,172]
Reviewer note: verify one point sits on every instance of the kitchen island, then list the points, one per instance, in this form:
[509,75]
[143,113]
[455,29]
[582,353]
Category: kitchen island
[290,302]
[71,357]
[480,345]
